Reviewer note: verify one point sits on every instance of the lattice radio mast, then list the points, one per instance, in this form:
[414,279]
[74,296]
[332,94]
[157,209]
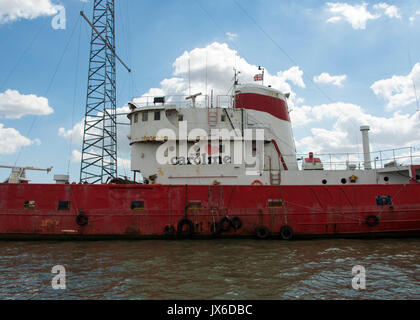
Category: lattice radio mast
[99,150]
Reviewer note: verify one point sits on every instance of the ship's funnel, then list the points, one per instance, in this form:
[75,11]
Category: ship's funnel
[366,146]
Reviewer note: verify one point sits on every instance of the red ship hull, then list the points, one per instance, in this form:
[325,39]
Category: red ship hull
[143,211]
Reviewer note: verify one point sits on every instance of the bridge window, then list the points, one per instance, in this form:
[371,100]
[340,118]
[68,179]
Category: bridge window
[137,205]
[157,115]
[29,205]
[180,117]
[144,116]
[63,205]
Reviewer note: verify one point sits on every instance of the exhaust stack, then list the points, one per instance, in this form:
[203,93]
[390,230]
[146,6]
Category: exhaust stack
[366,146]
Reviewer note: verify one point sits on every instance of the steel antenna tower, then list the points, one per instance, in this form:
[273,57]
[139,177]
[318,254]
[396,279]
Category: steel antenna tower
[99,150]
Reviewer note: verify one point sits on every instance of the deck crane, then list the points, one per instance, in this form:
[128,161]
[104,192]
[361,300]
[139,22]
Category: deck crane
[18,174]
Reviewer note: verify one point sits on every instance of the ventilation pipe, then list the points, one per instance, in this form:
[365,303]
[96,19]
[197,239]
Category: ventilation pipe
[366,146]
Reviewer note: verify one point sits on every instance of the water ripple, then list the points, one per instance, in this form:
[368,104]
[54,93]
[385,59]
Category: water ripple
[220,269]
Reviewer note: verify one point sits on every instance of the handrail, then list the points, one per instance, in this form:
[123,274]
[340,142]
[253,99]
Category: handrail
[397,157]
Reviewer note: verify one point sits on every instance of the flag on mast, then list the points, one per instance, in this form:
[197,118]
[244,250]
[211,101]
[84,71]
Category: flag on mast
[258,77]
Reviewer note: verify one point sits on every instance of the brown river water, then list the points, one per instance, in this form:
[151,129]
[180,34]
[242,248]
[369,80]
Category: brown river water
[211,269]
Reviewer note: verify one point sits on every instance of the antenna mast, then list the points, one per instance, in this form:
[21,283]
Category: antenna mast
[99,151]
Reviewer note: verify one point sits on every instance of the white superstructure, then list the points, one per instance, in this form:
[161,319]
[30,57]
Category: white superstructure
[174,144]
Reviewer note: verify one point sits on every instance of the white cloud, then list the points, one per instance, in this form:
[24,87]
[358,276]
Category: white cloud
[399,130]
[356,15]
[75,134]
[398,91]
[334,19]
[12,10]
[389,10]
[325,77]
[14,105]
[219,69]
[124,165]
[76,156]
[294,74]
[413,17]
[231,36]
[11,140]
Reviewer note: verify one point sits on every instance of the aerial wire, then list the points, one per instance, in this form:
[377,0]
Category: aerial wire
[414,84]
[282,50]
[51,82]
[290,58]
[11,72]
[76,76]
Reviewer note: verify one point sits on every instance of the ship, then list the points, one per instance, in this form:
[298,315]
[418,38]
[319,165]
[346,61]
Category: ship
[220,167]
[207,193]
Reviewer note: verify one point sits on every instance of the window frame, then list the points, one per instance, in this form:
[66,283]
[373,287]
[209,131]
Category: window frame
[64,205]
[137,205]
[155,114]
[275,203]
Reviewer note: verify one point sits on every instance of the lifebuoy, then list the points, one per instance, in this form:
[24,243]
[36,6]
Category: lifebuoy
[82,219]
[256,182]
[236,223]
[286,233]
[169,230]
[225,224]
[372,220]
[185,228]
[262,232]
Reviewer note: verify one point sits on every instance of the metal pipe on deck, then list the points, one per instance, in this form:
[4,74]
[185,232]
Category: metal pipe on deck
[366,147]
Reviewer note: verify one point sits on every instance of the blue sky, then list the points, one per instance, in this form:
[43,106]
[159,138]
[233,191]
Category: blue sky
[368,42]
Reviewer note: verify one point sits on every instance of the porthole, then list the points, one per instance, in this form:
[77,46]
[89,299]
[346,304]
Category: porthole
[386,179]
[344,181]
[324,181]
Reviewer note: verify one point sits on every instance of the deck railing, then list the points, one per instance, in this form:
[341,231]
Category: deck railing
[202,101]
[379,159]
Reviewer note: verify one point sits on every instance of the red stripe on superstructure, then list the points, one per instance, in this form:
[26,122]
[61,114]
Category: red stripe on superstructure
[259,102]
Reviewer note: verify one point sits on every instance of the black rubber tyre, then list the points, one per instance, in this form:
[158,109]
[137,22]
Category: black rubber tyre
[225,224]
[169,230]
[82,220]
[372,220]
[185,228]
[286,233]
[236,223]
[117,181]
[262,232]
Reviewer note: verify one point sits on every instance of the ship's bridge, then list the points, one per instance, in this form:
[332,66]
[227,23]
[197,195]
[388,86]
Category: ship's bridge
[253,108]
